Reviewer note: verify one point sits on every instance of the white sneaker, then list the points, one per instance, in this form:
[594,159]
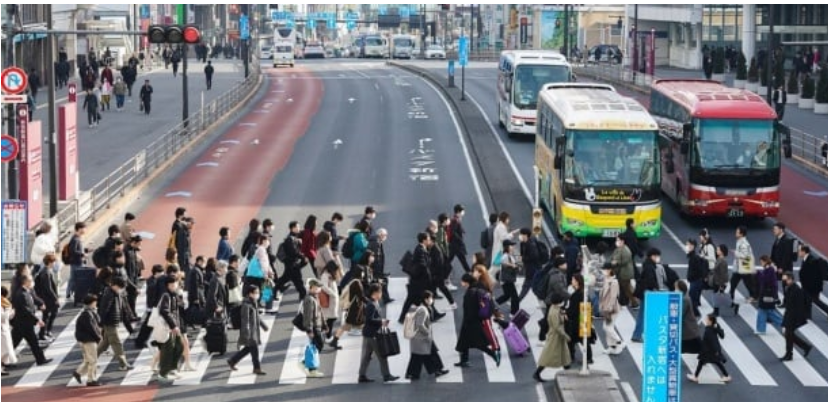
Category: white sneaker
[450,286]
[315,374]
[173,375]
[452,306]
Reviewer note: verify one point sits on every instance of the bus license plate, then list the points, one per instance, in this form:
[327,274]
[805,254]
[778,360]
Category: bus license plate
[735,213]
[609,233]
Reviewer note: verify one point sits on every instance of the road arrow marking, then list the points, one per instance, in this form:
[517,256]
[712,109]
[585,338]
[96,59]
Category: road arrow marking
[235,142]
[290,100]
[337,143]
[255,142]
[208,164]
[185,194]
[278,91]
[351,100]
[816,193]
[267,105]
[247,124]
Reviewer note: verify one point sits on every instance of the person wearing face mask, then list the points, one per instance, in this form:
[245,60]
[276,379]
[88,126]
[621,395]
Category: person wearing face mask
[46,287]
[170,352]
[697,270]
[257,278]
[423,349]
[622,262]
[711,349]
[112,311]
[609,307]
[655,277]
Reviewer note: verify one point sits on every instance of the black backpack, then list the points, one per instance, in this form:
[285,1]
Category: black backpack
[99,257]
[543,253]
[281,254]
[484,239]
[348,247]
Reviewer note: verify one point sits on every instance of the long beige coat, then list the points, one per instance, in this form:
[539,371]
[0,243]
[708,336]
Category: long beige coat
[555,351]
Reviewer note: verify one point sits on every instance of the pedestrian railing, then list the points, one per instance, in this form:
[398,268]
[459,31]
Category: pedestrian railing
[806,147]
[140,167]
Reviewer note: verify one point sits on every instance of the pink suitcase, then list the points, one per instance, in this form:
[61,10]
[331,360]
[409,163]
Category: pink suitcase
[517,342]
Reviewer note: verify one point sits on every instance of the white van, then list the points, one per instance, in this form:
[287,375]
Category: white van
[283,54]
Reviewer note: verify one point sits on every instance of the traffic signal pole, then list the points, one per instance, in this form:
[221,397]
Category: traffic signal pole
[11,116]
[245,50]
[185,104]
[50,76]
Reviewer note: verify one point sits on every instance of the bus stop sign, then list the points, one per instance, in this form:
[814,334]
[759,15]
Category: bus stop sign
[463,51]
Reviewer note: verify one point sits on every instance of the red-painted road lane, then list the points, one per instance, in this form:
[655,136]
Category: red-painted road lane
[248,157]
[804,214]
[80,394]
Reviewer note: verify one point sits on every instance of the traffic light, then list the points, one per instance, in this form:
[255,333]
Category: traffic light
[174,34]
[537,221]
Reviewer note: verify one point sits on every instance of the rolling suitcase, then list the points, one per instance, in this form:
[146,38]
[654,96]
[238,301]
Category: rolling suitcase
[517,342]
[520,319]
[216,336]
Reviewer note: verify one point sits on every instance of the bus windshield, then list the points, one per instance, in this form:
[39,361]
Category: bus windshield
[529,79]
[403,42]
[373,41]
[612,158]
[739,144]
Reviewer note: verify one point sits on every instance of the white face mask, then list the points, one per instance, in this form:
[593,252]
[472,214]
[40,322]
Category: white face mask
[688,249]
[462,213]
[657,260]
[619,243]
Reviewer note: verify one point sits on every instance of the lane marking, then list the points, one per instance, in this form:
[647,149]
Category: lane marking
[185,194]
[484,209]
[208,164]
[247,124]
[230,142]
[293,370]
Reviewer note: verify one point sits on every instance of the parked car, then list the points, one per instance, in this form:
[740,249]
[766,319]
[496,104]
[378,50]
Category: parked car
[435,52]
[265,53]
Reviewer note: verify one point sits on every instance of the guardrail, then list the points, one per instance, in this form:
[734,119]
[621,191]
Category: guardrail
[134,171]
[806,147]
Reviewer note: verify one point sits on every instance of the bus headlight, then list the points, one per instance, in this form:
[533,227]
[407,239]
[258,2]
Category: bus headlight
[517,122]
[770,204]
[698,203]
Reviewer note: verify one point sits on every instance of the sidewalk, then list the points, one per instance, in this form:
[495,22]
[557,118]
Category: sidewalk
[800,119]
[121,135]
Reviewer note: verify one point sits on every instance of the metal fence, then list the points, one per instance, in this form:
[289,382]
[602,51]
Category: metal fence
[806,147]
[140,167]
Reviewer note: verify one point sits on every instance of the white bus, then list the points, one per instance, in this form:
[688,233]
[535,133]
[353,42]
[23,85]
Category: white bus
[287,36]
[402,46]
[521,74]
[373,46]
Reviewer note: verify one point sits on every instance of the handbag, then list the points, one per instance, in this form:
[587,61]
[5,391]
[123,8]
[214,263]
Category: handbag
[299,322]
[388,344]
[234,295]
[324,299]
[254,269]
[267,292]
[497,258]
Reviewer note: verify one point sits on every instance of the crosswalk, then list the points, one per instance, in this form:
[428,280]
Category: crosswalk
[750,355]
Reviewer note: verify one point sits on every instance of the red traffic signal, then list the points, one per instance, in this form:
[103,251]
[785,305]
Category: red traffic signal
[174,34]
[192,35]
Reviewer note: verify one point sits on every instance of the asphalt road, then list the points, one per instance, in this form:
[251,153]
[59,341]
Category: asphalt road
[337,136]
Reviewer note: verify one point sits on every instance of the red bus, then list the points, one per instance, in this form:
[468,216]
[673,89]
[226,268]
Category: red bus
[721,149]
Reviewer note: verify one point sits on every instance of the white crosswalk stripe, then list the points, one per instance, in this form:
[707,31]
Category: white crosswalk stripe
[343,364]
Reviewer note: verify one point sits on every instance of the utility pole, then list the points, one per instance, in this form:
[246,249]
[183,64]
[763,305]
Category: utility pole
[50,76]
[245,50]
[471,28]
[11,116]
[185,105]
[566,31]
[635,43]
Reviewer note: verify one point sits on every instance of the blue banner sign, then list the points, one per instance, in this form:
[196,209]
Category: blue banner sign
[661,381]
[244,27]
[463,51]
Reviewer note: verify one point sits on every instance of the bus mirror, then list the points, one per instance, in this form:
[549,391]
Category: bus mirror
[670,167]
[787,150]
[686,131]
[684,147]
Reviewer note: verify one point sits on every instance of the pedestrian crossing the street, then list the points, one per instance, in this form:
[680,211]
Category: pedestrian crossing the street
[282,351]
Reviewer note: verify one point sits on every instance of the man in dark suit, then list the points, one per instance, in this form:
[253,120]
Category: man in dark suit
[377,244]
[419,275]
[25,319]
[373,323]
[217,292]
[795,317]
[783,254]
[811,275]
[457,242]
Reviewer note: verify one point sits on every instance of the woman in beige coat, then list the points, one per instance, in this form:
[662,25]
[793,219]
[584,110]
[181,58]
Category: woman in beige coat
[556,350]
[324,254]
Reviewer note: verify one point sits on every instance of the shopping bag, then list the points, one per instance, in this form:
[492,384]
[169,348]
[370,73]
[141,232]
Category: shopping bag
[311,357]
[267,293]
[388,344]
[254,269]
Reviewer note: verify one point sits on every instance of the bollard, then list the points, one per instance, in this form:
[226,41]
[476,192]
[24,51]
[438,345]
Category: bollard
[451,73]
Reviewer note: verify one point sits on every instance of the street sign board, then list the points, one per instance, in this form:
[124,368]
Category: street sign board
[662,347]
[277,15]
[352,16]
[331,23]
[463,51]
[10,148]
[15,226]
[15,98]
[244,27]
[311,23]
[14,80]
[404,11]
[73,92]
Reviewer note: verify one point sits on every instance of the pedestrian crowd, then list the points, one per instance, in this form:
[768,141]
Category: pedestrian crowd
[341,280]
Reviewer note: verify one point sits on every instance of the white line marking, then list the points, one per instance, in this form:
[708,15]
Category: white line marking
[185,194]
[208,164]
[230,142]
[247,124]
[293,370]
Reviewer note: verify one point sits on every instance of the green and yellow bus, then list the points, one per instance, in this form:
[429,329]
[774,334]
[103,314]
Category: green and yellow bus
[596,153]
